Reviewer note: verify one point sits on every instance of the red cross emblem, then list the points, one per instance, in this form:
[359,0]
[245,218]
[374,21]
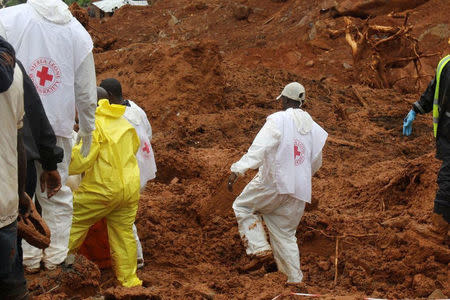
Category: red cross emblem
[299,152]
[46,75]
[296,151]
[146,148]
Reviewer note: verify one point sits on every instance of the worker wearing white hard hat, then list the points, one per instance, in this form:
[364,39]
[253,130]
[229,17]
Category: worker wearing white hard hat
[287,151]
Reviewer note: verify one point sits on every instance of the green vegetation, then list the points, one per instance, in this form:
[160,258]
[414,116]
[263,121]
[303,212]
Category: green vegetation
[80,2]
[15,2]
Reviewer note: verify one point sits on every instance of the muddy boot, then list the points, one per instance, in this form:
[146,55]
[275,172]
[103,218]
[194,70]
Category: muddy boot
[257,261]
[69,261]
[441,228]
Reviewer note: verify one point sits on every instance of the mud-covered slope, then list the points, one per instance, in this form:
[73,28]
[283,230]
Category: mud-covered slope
[207,74]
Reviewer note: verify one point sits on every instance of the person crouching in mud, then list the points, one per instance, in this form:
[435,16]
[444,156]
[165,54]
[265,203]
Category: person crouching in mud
[287,151]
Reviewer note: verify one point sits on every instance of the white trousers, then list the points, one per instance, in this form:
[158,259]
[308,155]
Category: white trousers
[140,254]
[56,212]
[281,214]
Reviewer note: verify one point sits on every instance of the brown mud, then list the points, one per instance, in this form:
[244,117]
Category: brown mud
[206,72]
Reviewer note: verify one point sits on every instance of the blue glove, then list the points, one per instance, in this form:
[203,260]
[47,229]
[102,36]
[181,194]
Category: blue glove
[407,122]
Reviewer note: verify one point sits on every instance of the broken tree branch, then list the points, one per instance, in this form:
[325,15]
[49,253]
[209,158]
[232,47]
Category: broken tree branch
[359,97]
[336,261]
[343,142]
[394,36]
[389,62]
[348,37]
[342,236]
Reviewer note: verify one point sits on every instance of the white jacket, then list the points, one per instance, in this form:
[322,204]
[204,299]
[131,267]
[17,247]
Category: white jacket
[288,151]
[56,51]
[145,156]
[11,116]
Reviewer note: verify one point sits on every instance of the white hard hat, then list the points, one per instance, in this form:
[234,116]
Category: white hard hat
[294,91]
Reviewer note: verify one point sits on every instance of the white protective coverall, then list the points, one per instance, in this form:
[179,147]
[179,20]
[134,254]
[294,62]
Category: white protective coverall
[287,151]
[145,156]
[57,52]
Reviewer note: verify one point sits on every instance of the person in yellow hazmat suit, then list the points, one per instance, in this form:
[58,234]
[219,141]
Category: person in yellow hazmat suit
[109,188]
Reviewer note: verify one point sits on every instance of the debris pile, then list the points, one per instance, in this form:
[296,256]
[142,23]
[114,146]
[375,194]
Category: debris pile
[208,82]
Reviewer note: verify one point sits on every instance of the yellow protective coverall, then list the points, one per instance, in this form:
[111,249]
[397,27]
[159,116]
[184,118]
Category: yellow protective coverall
[109,188]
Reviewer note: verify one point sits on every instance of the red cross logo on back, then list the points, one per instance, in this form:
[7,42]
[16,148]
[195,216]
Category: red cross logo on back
[44,76]
[299,152]
[296,151]
[146,148]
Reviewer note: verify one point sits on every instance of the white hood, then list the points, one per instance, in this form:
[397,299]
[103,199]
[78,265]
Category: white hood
[55,11]
[302,119]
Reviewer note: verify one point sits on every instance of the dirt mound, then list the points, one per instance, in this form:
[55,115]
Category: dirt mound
[374,7]
[82,279]
[207,82]
[135,293]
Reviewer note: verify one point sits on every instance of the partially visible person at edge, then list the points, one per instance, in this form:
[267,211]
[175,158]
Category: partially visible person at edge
[109,189]
[56,51]
[436,98]
[287,151]
[145,156]
[14,200]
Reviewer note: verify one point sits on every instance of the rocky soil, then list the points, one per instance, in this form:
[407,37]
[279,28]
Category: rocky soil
[207,73]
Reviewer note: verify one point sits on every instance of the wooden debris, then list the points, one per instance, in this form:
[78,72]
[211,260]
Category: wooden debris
[377,48]
[359,97]
[339,141]
[336,255]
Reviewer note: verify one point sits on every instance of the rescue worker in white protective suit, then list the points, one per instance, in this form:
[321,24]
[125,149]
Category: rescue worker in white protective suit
[145,156]
[287,151]
[56,51]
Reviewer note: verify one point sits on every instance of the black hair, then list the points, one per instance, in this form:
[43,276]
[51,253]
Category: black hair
[113,87]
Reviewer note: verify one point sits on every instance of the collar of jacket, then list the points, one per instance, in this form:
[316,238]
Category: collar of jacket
[110,110]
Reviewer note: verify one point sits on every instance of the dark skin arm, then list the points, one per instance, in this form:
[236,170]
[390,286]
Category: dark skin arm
[231,180]
[51,180]
[24,199]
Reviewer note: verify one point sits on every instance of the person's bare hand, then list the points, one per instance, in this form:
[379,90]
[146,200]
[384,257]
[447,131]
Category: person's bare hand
[231,180]
[24,205]
[51,180]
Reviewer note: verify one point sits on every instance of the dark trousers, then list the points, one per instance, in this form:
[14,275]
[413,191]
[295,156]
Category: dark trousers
[12,280]
[442,200]
[30,186]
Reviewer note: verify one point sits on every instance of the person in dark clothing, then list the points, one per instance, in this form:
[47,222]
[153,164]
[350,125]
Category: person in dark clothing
[13,200]
[436,98]
[40,142]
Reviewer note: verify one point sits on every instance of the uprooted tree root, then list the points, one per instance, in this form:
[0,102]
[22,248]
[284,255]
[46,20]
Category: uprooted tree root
[377,49]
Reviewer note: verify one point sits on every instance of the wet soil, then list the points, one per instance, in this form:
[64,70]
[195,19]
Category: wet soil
[207,73]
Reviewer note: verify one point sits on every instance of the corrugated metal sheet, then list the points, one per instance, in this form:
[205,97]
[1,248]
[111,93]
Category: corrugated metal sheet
[112,5]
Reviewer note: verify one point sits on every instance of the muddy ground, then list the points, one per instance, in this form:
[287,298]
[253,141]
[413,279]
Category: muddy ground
[207,73]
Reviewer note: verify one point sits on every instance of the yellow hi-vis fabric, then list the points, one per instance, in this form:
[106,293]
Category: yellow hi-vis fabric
[109,188]
[439,69]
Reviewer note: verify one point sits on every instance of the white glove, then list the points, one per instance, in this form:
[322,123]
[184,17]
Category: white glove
[87,141]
